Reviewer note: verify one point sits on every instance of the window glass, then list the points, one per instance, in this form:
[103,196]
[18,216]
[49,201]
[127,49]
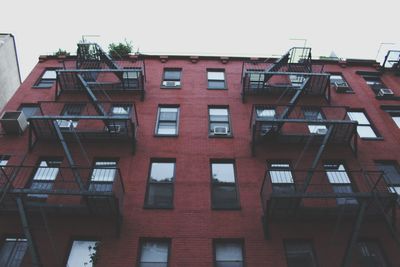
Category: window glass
[49,74]
[358,116]
[219,121]
[12,252]
[167,121]
[371,254]
[172,75]
[228,254]
[81,252]
[154,253]
[47,80]
[265,113]
[30,110]
[162,171]
[216,79]
[300,254]
[364,128]
[223,172]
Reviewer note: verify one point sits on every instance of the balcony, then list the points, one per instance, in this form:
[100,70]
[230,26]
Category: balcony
[81,122]
[288,195]
[101,80]
[302,124]
[95,191]
[392,61]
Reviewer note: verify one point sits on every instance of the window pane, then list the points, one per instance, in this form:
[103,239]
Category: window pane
[371,254]
[390,171]
[366,132]
[162,172]
[317,129]
[228,252]
[167,128]
[279,176]
[172,75]
[214,75]
[154,252]
[160,195]
[337,174]
[396,120]
[30,111]
[170,114]
[216,84]
[49,74]
[299,254]
[46,171]
[104,171]
[224,196]
[265,113]
[223,172]
[358,116]
[130,75]
[218,111]
[81,252]
[122,110]
[12,252]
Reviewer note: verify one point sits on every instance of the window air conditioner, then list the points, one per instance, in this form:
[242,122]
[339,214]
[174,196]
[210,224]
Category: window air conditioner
[13,122]
[385,92]
[321,131]
[64,124]
[220,130]
[341,87]
[171,83]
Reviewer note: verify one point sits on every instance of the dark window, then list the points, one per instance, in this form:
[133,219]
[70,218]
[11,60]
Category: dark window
[29,110]
[167,121]
[375,83]
[154,253]
[257,79]
[45,175]
[300,253]
[371,254]
[340,181]
[12,252]
[219,121]
[103,175]
[315,114]
[119,111]
[70,110]
[160,184]
[228,253]
[216,79]
[224,192]
[130,77]
[364,128]
[47,80]
[82,252]
[296,80]
[3,173]
[391,173]
[171,78]
[281,177]
[340,84]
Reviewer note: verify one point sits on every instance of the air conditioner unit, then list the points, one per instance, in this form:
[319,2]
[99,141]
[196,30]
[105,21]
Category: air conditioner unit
[385,92]
[341,87]
[64,124]
[13,122]
[220,130]
[171,83]
[114,128]
[321,131]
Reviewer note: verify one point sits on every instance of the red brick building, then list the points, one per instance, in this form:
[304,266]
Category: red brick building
[201,161]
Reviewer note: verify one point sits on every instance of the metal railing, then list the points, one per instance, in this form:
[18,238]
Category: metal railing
[392,60]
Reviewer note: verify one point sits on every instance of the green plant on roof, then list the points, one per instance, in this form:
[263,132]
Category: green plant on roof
[120,50]
[61,52]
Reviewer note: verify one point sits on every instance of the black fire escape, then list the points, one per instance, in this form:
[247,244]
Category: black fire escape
[392,61]
[293,195]
[76,190]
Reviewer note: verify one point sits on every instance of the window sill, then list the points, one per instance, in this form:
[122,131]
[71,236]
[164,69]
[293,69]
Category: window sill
[345,93]
[396,98]
[210,88]
[220,136]
[372,138]
[166,135]
[226,208]
[148,207]
[41,87]
[170,87]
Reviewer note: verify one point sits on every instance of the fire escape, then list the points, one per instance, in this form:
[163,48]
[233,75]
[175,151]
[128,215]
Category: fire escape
[392,61]
[76,190]
[310,194]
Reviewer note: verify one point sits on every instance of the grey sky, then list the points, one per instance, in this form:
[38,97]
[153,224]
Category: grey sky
[353,29]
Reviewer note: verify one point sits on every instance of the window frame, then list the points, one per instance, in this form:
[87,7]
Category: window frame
[41,79]
[148,183]
[93,168]
[349,89]
[17,237]
[167,121]
[229,122]
[394,112]
[225,86]
[307,241]
[376,79]
[119,126]
[377,137]
[162,86]
[64,112]
[391,186]
[78,238]
[378,244]
[291,186]
[217,241]
[29,105]
[235,206]
[142,240]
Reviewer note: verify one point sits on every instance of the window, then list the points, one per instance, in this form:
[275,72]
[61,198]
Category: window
[12,252]
[171,78]
[103,175]
[340,84]
[228,253]
[219,123]
[340,182]
[154,253]
[45,175]
[267,114]
[47,80]
[224,193]
[216,79]
[130,77]
[256,79]
[29,110]
[394,112]
[315,114]
[364,128]
[375,83]
[391,173]
[371,254]
[167,121]
[119,111]
[82,252]
[70,110]
[160,184]
[296,80]
[300,253]
[3,162]
[281,177]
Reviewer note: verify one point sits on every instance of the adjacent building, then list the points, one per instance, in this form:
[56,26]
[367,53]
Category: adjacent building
[10,77]
[157,161]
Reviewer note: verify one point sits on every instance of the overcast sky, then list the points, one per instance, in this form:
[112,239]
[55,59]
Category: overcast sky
[352,29]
